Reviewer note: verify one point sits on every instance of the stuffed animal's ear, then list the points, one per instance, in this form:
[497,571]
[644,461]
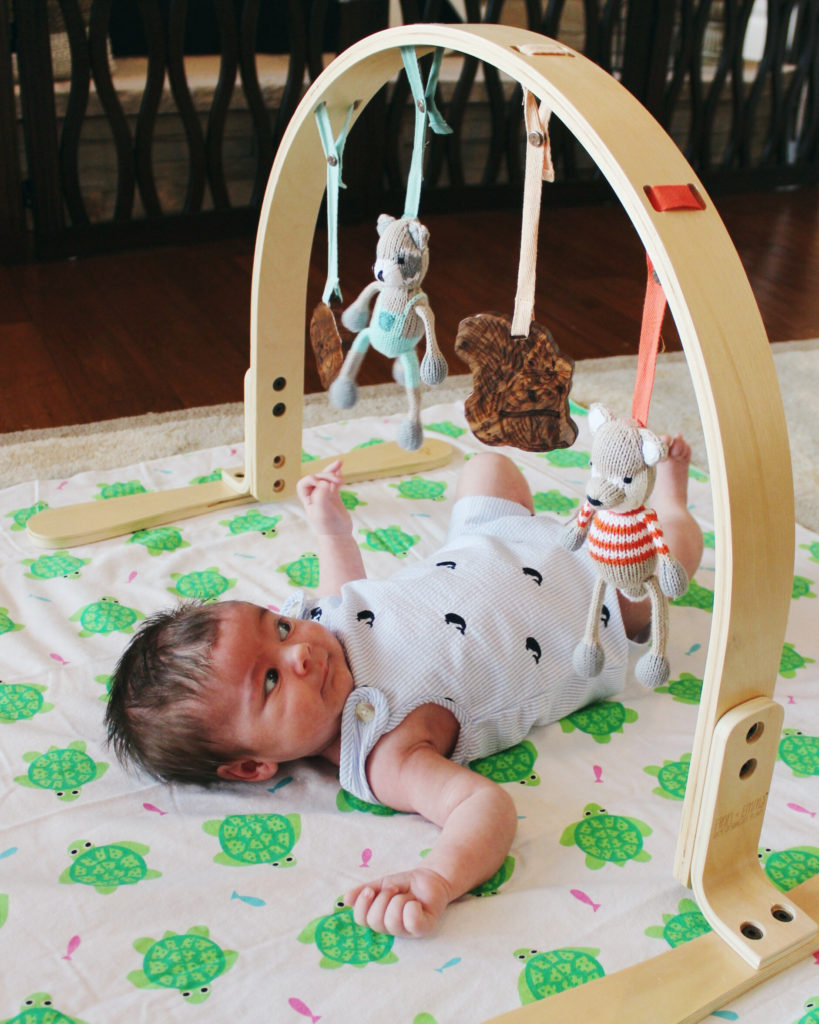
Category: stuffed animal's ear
[654,448]
[418,233]
[598,415]
[383,223]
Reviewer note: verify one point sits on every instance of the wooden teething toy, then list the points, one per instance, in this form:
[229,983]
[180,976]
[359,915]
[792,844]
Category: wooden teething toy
[521,378]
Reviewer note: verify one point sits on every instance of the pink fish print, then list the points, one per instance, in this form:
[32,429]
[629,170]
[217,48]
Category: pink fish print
[73,946]
[585,898]
[61,485]
[156,810]
[366,857]
[57,658]
[132,576]
[303,1009]
[598,773]
[802,810]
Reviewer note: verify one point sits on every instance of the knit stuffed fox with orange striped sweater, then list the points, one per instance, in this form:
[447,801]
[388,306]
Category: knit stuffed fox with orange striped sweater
[625,539]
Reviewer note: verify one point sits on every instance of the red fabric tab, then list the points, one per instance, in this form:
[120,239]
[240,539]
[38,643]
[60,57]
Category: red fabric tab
[674,197]
[653,314]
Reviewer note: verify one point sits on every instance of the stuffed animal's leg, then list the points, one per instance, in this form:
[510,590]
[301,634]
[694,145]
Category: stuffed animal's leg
[410,433]
[343,391]
[433,366]
[588,655]
[653,668]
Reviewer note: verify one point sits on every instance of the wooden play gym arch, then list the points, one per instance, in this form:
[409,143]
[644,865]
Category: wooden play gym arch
[756,929]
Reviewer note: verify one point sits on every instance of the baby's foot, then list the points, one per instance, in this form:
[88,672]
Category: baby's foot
[671,487]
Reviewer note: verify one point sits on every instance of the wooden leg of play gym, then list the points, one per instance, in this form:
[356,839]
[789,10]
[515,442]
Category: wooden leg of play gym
[91,521]
[680,986]
[757,930]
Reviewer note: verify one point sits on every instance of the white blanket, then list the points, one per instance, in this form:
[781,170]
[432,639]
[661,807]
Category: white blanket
[254,951]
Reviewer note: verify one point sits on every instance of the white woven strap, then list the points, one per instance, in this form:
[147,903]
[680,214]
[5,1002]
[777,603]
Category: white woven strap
[539,168]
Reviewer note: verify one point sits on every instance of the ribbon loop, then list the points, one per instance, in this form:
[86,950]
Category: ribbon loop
[425,112]
[333,152]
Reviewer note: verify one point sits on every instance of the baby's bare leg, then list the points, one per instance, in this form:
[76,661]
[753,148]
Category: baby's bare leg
[491,474]
[683,536]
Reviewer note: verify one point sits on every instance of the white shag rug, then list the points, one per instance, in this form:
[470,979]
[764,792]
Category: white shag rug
[63,451]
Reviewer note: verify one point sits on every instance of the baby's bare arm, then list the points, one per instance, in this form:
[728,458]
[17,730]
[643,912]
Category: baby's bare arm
[478,821]
[339,555]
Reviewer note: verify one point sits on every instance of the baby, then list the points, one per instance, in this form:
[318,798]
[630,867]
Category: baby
[400,682]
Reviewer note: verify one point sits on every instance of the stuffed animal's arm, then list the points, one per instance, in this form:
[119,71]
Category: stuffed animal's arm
[671,575]
[357,315]
[433,366]
[576,531]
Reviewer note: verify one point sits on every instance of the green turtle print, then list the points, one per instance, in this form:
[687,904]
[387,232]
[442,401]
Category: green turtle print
[203,585]
[599,720]
[554,501]
[811,1016]
[249,839]
[350,500]
[685,690]
[119,489]
[568,458]
[107,867]
[799,752]
[791,661]
[341,941]
[516,764]
[106,616]
[696,596]
[39,1008]
[789,868]
[22,701]
[492,885]
[189,963]
[349,802]
[304,571]
[545,974]
[252,521]
[672,777]
[159,539]
[802,587]
[7,624]
[688,923]
[20,516]
[60,565]
[447,428]
[417,489]
[391,539]
[63,770]
[207,478]
[607,838]
[813,548]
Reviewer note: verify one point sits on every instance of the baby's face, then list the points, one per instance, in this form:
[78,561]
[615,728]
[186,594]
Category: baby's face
[279,688]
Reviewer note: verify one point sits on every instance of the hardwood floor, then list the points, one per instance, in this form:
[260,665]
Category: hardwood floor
[165,329]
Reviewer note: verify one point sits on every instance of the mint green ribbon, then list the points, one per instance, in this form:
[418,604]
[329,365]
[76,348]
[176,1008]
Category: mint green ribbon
[426,111]
[333,152]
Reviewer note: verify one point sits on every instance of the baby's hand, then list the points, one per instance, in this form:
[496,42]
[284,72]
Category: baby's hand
[407,904]
[319,494]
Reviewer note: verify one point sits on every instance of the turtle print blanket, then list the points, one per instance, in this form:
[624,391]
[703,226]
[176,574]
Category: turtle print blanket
[121,899]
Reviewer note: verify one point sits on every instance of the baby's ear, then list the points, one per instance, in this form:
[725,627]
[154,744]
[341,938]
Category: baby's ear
[247,770]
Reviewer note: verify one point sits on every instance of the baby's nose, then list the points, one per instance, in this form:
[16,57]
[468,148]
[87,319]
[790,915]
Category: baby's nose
[302,658]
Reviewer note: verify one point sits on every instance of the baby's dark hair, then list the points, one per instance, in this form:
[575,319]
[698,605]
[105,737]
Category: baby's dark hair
[155,716]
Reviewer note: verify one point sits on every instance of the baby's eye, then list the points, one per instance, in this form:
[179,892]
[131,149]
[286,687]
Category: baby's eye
[270,681]
[283,627]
